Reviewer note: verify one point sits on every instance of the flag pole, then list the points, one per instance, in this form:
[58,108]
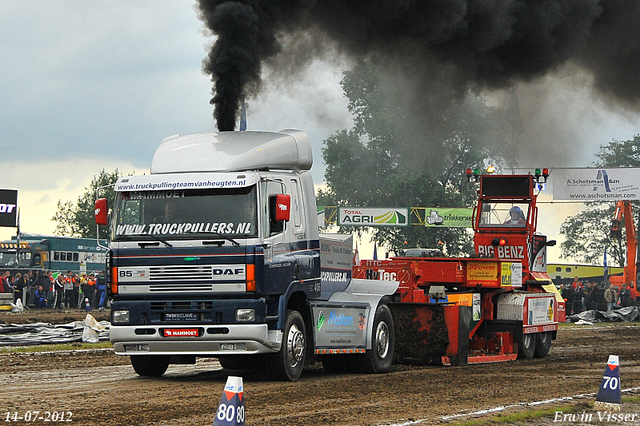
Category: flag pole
[18,239]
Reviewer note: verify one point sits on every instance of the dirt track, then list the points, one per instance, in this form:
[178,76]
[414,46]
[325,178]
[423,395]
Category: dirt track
[99,388]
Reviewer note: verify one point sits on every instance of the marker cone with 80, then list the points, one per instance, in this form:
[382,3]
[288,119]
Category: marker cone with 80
[231,408]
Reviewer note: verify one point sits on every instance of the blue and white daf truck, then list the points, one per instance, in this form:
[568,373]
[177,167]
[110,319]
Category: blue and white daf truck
[216,253]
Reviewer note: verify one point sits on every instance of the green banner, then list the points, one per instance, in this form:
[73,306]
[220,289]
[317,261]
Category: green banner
[448,217]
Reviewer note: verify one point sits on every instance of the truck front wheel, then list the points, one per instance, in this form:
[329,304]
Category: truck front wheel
[287,364]
[150,365]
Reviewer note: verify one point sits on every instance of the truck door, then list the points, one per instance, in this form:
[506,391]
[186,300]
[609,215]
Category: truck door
[279,264]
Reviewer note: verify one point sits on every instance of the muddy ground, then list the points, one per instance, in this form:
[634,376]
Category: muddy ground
[99,388]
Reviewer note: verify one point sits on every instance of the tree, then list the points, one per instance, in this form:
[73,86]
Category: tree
[619,153]
[587,233]
[77,219]
[412,154]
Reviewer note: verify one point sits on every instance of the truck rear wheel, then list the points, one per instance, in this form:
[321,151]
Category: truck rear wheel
[150,365]
[527,347]
[287,364]
[380,357]
[543,344]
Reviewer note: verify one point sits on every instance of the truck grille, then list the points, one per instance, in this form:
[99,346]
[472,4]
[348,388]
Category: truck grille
[182,279]
[181,306]
[179,273]
[179,288]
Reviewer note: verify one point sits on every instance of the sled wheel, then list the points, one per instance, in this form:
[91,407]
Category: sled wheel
[150,365]
[527,346]
[379,358]
[543,344]
[287,364]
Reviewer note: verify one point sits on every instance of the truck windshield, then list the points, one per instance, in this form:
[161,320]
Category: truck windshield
[186,214]
[504,214]
[8,259]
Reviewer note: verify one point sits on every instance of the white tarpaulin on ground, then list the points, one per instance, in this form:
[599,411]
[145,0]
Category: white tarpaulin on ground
[630,313]
[89,331]
[593,184]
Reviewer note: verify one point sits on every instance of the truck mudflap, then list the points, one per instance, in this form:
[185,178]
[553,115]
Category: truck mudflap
[344,323]
[340,328]
[196,340]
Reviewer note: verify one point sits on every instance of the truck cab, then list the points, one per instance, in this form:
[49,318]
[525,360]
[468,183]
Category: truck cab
[217,253]
[505,220]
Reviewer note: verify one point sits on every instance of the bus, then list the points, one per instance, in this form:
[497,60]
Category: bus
[563,273]
[55,253]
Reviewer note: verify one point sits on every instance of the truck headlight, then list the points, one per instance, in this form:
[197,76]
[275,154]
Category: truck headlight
[120,316]
[245,315]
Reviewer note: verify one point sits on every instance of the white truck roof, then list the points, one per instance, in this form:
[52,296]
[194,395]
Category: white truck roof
[233,151]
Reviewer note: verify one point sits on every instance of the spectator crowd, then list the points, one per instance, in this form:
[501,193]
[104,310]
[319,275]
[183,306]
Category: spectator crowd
[45,289]
[584,296]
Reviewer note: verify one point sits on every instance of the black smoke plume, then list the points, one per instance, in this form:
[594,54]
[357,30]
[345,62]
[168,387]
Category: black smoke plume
[486,43]
[245,38]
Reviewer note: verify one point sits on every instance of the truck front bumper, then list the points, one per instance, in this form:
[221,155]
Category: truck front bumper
[198,340]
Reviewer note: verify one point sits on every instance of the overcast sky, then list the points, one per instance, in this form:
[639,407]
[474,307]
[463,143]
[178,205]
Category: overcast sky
[91,85]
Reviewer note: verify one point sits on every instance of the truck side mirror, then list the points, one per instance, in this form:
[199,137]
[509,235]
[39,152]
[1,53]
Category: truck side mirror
[282,208]
[101,212]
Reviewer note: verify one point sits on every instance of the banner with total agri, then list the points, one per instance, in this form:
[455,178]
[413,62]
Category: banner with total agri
[596,184]
[8,207]
[373,216]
